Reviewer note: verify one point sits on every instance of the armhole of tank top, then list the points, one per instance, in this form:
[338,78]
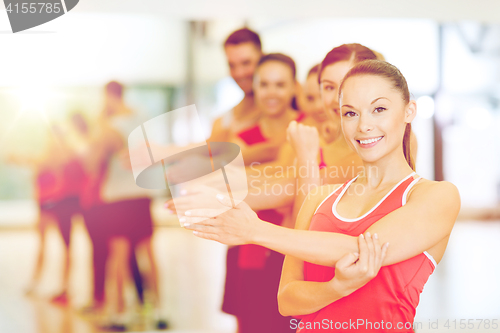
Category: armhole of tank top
[431,258]
[328,196]
[405,193]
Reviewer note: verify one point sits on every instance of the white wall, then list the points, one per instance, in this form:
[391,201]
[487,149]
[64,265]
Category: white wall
[90,49]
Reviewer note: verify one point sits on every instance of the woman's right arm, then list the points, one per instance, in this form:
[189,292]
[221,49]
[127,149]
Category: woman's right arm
[260,196]
[298,297]
[426,219]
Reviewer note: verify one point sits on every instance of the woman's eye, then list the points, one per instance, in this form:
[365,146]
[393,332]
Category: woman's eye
[329,88]
[349,114]
[380,109]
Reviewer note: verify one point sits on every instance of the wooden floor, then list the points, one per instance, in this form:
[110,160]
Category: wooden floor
[191,274]
[464,286]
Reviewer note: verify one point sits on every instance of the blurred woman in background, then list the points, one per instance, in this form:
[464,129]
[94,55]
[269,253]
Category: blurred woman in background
[253,272]
[59,180]
[312,104]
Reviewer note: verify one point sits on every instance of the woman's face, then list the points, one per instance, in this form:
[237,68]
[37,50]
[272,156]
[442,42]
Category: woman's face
[374,116]
[274,88]
[313,105]
[331,77]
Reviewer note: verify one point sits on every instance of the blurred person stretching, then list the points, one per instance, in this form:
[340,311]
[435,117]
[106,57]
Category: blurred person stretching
[59,180]
[117,211]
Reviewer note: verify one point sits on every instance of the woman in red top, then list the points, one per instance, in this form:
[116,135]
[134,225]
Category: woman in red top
[414,215]
[253,272]
[58,180]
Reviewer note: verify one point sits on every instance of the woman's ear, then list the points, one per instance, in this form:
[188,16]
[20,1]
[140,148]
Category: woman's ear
[410,111]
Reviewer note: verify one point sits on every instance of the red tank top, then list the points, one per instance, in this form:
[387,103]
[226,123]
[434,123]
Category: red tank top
[252,135]
[301,116]
[253,256]
[56,184]
[322,163]
[48,186]
[74,178]
[385,304]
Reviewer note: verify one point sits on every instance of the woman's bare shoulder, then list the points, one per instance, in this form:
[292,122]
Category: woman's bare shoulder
[431,189]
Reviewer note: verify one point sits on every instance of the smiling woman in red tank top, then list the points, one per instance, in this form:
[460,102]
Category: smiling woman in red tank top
[414,215]
[253,272]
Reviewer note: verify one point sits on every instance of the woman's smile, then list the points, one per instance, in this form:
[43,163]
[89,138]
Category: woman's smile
[369,142]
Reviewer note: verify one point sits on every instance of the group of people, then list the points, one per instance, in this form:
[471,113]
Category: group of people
[336,228]
[315,255]
[85,170]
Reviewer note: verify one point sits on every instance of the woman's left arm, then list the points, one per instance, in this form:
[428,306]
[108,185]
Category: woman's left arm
[426,219]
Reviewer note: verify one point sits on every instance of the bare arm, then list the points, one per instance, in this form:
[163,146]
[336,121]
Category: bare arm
[299,297]
[261,196]
[265,191]
[426,219]
[352,271]
[315,246]
[261,152]
[219,132]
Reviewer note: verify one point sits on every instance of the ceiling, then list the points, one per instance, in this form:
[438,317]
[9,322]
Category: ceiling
[487,11]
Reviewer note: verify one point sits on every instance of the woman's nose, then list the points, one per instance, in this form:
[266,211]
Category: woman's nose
[365,124]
